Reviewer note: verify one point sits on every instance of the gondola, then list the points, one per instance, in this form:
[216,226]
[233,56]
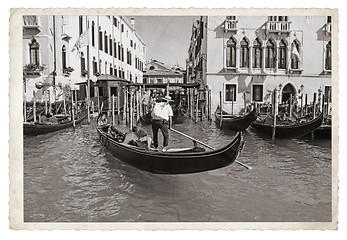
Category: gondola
[233,122]
[323,132]
[34,129]
[177,161]
[293,130]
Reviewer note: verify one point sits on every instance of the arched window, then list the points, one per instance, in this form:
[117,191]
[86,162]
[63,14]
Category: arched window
[328,56]
[34,48]
[63,57]
[100,39]
[282,64]
[270,56]
[111,44]
[95,66]
[115,49]
[80,19]
[105,67]
[83,64]
[257,54]
[151,68]
[295,55]
[93,33]
[106,42]
[244,53]
[231,53]
[100,66]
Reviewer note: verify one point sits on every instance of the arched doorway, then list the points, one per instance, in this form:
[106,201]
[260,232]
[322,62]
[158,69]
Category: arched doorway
[287,91]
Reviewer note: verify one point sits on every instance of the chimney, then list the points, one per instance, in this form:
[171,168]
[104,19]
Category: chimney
[132,22]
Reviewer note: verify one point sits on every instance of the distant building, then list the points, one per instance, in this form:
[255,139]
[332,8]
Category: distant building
[247,57]
[56,50]
[157,72]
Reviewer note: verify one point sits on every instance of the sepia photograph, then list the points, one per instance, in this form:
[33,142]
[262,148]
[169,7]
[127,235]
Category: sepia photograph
[221,117]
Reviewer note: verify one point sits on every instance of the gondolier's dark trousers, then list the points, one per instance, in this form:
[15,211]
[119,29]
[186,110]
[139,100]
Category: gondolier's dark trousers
[163,126]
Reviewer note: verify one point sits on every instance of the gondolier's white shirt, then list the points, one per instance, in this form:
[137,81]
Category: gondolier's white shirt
[162,110]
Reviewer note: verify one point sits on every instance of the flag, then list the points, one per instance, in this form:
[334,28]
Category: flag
[83,40]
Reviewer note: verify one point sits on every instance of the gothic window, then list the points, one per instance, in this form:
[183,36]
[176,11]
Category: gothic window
[295,55]
[244,55]
[34,48]
[270,55]
[95,66]
[231,53]
[257,54]
[282,64]
[328,56]
[115,49]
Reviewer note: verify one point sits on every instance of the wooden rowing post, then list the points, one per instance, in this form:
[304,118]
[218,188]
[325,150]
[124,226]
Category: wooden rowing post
[232,101]
[113,115]
[118,107]
[290,106]
[25,109]
[131,111]
[73,105]
[34,106]
[244,103]
[209,105]
[221,109]
[196,94]
[302,103]
[305,105]
[64,103]
[275,111]
[313,112]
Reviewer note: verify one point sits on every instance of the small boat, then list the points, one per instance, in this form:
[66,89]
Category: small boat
[323,132]
[288,130]
[33,129]
[175,161]
[233,122]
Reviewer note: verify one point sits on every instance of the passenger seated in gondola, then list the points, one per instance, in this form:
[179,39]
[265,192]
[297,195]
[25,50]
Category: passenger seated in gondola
[138,137]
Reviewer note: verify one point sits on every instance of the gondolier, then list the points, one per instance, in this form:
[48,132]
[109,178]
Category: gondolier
[161,119]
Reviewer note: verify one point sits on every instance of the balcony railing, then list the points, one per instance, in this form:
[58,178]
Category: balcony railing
[31,22]
[277,27]
[230,25]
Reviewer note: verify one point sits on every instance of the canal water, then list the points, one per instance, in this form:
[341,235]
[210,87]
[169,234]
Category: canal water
[70,177]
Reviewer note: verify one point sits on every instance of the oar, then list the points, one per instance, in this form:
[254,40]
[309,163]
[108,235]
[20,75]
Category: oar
[204,144]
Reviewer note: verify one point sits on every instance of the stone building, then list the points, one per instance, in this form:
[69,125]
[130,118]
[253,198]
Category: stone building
[247,57]
[59,50]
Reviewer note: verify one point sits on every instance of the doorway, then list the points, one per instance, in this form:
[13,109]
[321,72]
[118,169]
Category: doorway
[287,91]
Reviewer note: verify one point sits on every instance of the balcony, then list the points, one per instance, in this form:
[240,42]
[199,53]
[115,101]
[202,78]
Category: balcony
[327,29]
[277,27]
[230,25]
[31,22]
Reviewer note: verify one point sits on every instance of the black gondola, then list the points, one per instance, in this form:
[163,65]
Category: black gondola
[34,129]
[293,130]
[179,161]
[233,122]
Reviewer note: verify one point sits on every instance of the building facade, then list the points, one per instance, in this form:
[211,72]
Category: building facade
[246,58]
[157,72]
[65,50]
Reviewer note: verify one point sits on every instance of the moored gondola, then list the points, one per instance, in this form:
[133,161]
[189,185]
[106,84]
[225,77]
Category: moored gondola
[35,129]
[178,161]
[233,122]
[292,130]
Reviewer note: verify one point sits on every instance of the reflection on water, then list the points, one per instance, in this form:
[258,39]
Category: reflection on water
[70,177]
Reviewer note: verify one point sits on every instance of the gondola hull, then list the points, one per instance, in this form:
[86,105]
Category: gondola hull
[323,132]
[289,131]
[235,123]
[39,129]
[184,162]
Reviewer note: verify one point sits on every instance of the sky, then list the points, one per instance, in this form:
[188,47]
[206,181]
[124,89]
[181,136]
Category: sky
[167,38]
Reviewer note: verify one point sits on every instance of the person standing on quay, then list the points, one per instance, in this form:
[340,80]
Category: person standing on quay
[161,119]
